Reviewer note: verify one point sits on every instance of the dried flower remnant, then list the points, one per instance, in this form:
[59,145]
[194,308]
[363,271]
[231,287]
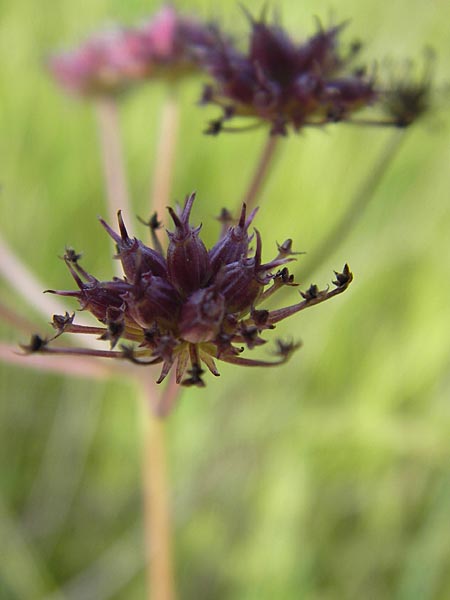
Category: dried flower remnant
[286,83]
[111,61]
[407,96]
[191,307]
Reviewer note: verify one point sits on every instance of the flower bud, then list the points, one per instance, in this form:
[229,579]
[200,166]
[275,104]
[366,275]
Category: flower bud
[133,254]
[201,316]
[152,300]
[187,257]
[233,245]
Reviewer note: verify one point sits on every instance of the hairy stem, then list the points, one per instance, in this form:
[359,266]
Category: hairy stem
[112,158]
[158,526]
[345,225]
[165,157]
[262,170]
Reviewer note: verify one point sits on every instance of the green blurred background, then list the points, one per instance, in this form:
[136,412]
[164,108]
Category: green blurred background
[325,479]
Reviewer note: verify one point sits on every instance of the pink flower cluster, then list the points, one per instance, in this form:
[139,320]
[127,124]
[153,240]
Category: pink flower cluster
[109,62]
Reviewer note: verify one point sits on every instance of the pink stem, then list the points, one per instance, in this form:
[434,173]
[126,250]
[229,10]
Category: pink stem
[27,285]
[165,157]
[113,160]
[73,366]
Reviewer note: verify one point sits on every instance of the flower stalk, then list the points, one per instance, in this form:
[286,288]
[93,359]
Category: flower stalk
[112,156]
[165,156]
[157,515]
[364,194]
[262,170]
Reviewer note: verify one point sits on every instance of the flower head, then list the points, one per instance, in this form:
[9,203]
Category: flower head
[110,61]
[192,306]
[284,82]
[407,97]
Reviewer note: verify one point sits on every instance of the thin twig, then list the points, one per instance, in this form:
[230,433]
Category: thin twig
[158,527]
[165,157]
[263,165]
[342,229]
[73,366]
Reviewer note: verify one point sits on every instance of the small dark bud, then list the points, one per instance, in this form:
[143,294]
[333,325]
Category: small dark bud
[115,323]
[250,335]
[61,322]
[225,217]
[37,344]
[71,256]
[259,317]
[284,349]
[344,278]
[153,223]
[207,94]
[214,127]
[195,377]
[284,277]
[311,293]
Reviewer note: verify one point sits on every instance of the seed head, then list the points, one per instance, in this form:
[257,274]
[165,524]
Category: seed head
[192,306]
[283,82]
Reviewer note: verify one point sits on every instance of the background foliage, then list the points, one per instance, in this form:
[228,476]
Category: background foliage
[326,478]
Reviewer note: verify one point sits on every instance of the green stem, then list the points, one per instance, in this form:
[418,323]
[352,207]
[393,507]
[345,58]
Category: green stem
[345,225]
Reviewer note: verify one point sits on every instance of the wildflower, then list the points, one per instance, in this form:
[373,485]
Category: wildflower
[191,307]
[408,97]
[110,61]
[283,82]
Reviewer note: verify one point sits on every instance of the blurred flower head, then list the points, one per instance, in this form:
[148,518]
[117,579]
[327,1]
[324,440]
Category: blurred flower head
[110,61]
[284,82]
[408,95]
[189,306]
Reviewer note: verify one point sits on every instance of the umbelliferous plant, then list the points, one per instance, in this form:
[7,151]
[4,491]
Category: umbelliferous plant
[176,304]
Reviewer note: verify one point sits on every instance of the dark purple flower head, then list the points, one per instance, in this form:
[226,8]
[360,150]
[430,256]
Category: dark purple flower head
[284,82]
[191,307]
[109,62]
